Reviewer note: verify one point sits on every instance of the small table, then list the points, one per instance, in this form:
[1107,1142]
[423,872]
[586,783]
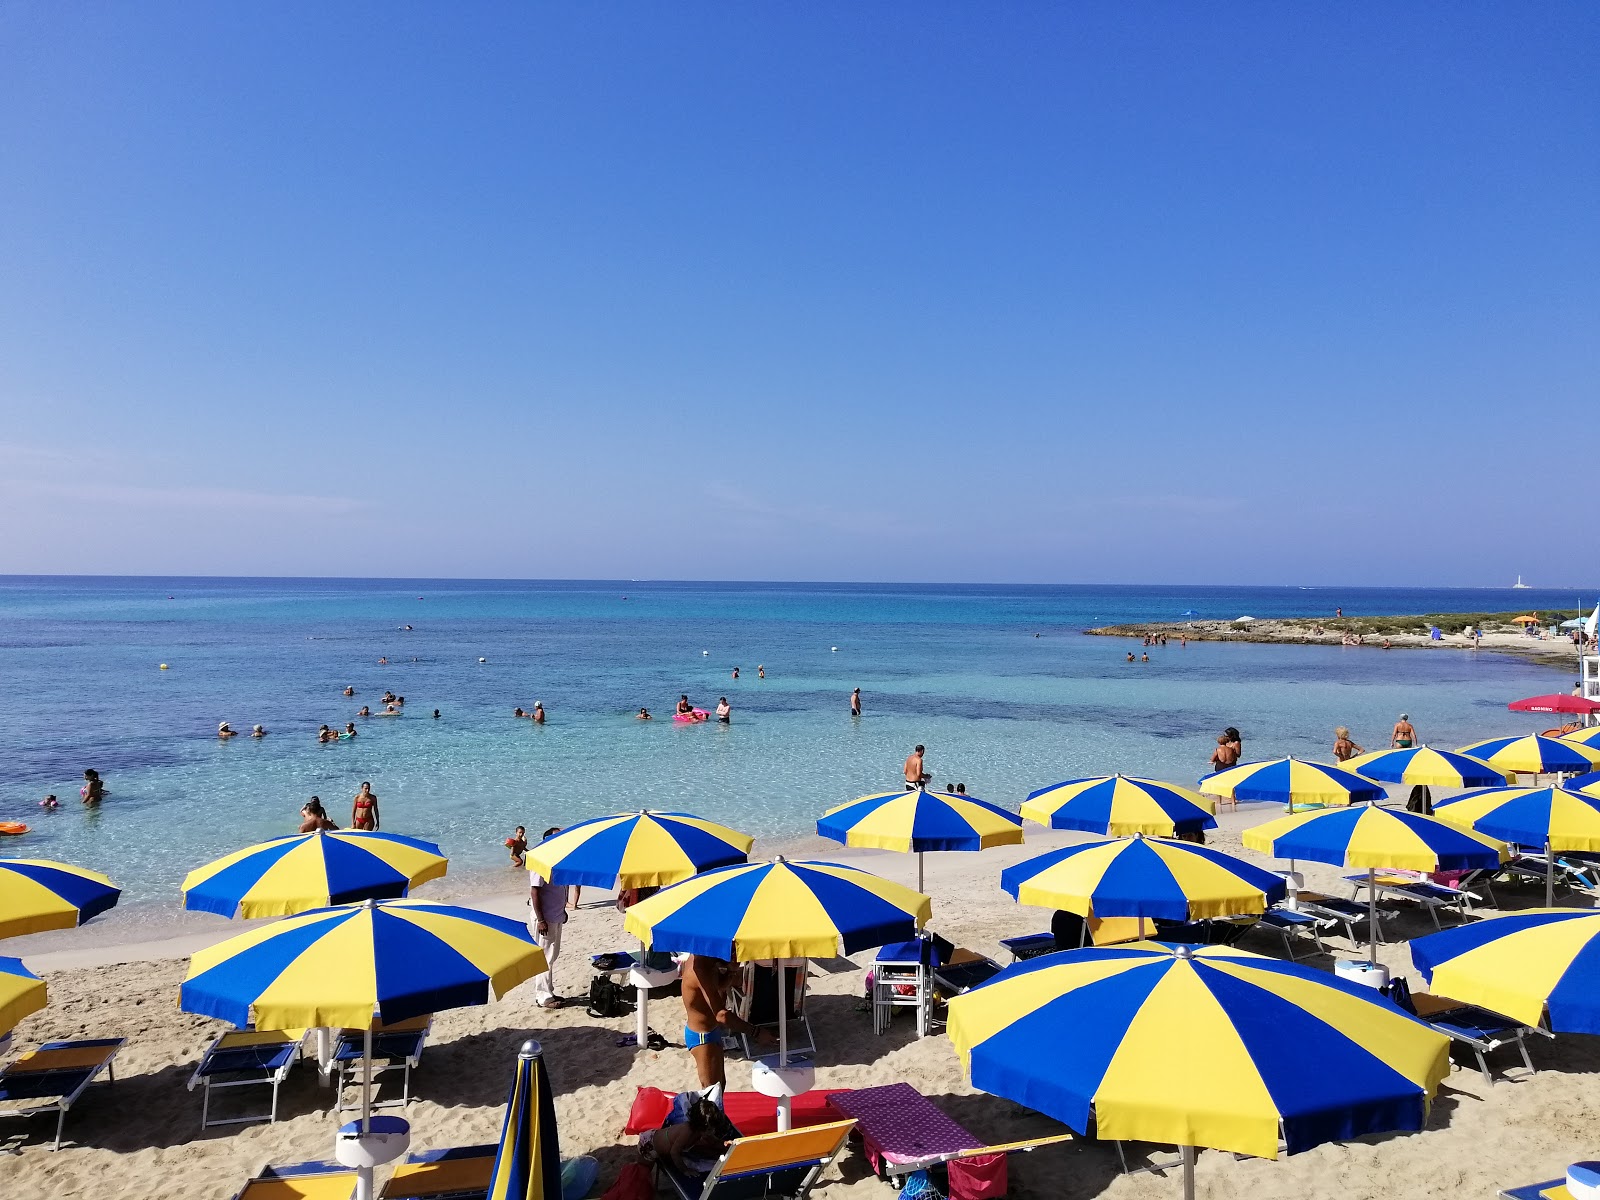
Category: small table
[641,977]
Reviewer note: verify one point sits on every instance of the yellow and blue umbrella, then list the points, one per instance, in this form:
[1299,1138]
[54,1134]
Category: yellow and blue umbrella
[311,870]
[635,850]
[1588,785]
[780,909]
[1559,819]
[1143,877]
[916,821]
[1427,767]
[1120,806]
[36,895]
[346,967]
[527,1165]
[1535,754]
[21,992]
[1291,781]
[1198,1046]
[1369,836]
[1523,964]
[1589,737]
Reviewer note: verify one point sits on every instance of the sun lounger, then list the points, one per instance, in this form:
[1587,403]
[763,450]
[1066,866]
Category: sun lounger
[397,1046]
[965,971]
[459,1173]
[1417,889]
[903,1131]
[772,1164]
[1477,1028]
[301,1181]
[51,1078]
[1550,1189]
[1353,918]
[1029,945]
[1293,926]
[754,999]
[244,1058]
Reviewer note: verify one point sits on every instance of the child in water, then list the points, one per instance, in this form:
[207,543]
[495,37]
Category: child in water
[517,843]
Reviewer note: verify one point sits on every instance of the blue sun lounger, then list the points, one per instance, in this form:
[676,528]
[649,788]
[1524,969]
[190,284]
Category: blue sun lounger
[458,1173]
[244,1058]
[301,1181]
[398,1046]
[768,1164]
[53,1077]
[1478,1029]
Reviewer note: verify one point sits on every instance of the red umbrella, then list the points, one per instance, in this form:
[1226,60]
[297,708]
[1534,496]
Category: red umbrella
[1555,704]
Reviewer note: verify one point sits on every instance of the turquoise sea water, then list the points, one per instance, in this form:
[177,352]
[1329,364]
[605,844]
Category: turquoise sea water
[957,668]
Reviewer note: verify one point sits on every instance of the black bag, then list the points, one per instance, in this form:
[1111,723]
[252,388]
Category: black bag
[608,999]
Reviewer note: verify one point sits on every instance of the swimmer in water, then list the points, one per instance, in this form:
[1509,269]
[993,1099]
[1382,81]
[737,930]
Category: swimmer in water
[93,790]
[364,809]
[349,691]
[383,662]
[538,712]
[685,709]
[855,703]
[390,710]
[724,710]
[517,712]
[436,714]
[324,734]
[349,729]
[314,817]
[224,730]
[257,731]
[736,672]
[644,715]
[367,712]
[49,801]
[517,843]
[761,672]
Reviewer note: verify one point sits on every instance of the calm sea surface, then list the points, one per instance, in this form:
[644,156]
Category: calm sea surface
[958,668]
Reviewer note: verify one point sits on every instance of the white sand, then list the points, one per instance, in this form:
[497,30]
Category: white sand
[141,1138]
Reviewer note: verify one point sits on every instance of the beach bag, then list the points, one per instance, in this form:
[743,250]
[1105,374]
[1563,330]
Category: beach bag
[633,1184]
[608,999]
[979,1177]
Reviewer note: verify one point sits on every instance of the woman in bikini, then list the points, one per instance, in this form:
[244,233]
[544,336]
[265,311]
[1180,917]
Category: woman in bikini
[1404,735]
[314,817]
[364,810]
[1343,748]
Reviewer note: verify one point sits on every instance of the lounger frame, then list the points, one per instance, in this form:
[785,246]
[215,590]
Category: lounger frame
[271,1073]
[759,1160]
[75,1080]
[398,1050]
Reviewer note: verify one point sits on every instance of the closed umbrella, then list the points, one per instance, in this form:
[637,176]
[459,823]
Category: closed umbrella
[527,1166]
[917,821]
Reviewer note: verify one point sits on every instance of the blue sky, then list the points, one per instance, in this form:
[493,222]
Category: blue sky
[1246,293]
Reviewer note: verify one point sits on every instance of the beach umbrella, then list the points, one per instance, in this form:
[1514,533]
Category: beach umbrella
[1555,702]
[1198,1046]
[1373,837]
[1587,785]
[1584,737]
[1535,754]
[36,895]
[21,992]
[779,910]
[356,965]
[1528,965]
[1291,781]
[527,1165]
[1524,620]
[1147,878]
[916,821]
[1427,767]
[311,870]
[1558,818]
[636,850]
[1120,806]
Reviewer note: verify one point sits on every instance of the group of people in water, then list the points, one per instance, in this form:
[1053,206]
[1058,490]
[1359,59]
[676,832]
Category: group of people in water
[363,813]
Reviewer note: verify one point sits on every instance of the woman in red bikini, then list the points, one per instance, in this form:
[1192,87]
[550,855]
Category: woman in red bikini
[364,812]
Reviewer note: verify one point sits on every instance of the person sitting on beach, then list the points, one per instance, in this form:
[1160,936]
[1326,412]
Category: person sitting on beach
[364,809]
[314,817]
[724,710]
[93,790]
[365,711]
[1343,748]
[517,843]
[1224,756]
[537,715]
[324,734]
[349,729]
[257,731]
[643,715]
[1404,736]
[916,776]
[690,1144]
[224,730]
[685,709]
[349,691]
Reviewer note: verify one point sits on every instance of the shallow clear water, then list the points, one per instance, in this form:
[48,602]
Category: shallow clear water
[956,668]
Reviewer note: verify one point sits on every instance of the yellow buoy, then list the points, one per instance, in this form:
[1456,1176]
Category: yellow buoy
[163,666]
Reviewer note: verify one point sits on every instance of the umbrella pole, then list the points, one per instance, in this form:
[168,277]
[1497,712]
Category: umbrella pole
[785,1119]
[1549,876]
[366,1080]
[919,871]
[1188,1171]
[1372,916]
[641,1009]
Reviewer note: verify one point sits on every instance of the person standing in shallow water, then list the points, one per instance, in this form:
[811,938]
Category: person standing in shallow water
[855,703]
[93,791]
[364,809]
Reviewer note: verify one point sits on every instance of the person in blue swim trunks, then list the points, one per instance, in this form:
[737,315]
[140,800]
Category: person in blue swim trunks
[706,1019]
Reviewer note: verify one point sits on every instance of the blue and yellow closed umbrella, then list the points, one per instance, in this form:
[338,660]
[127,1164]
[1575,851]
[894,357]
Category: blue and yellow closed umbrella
[1536,754]
[1291,781]
[37,895]
[21,992]
[1426,767]
[1120,806]
[916,821]
[1560,819]
[527,1165]
[1198,1046]
[636,850]
[1148,878]
[312,870]
[1527,965]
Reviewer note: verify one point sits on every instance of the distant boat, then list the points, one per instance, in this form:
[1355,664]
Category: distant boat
[1188,612]
[1520,586]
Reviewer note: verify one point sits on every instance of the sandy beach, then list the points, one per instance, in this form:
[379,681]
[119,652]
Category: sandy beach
[141,1137]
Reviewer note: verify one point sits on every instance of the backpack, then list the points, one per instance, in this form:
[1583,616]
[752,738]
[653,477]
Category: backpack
[608,999]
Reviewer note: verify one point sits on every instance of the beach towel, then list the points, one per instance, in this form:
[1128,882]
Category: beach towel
[634,1183]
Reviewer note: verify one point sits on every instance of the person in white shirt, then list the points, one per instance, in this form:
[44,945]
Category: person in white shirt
[547,916]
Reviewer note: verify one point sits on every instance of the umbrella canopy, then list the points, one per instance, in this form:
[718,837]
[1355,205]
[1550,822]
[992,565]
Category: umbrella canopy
[635,850]
[1522,964]
[347,967]
[1524,620]
[1143,877]
[1584,737]
[1558,818]
[1120,806]
[36,895]
[1291,781]
[21,992]
[527,1165]
[1535,754]
[1373,837]
[311,870]
[920,820]
[1428,767]
[1203,1046]
[1555,702]
[780,909]
[1586,785]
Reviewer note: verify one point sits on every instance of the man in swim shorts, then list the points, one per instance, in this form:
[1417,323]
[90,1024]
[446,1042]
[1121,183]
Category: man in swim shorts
[724,710]
[706,1019]
[915,775]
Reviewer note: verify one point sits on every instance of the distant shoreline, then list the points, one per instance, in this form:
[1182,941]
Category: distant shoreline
[1499,634]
